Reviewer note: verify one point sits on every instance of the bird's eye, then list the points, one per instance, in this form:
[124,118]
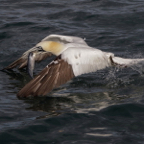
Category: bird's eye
[40,48]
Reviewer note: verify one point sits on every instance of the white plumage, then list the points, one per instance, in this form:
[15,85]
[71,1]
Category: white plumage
[85,59]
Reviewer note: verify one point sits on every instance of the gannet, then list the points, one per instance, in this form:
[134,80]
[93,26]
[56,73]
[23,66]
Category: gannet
[73,58]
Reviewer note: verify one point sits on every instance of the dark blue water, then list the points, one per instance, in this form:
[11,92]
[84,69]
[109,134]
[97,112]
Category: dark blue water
[106,107]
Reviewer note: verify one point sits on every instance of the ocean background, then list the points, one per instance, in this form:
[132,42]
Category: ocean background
[105,107]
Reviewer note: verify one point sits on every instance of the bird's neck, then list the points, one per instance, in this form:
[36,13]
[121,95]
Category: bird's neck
[55,48]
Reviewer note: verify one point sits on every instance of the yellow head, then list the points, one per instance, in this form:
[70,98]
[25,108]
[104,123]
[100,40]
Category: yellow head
[51,46]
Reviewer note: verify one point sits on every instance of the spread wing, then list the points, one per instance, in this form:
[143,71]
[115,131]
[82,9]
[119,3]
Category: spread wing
[22,61]
[53,75]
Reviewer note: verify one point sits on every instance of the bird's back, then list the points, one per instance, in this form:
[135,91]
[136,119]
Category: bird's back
[85,59]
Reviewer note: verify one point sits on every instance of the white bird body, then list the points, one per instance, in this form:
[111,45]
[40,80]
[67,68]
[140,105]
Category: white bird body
[74,57]
[85,59]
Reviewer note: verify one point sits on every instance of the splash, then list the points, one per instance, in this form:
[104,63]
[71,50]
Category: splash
[117,77]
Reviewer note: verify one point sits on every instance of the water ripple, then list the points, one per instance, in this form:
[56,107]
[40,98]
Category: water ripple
[102,107]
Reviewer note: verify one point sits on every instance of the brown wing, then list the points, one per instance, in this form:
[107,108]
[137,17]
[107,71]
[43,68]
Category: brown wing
[55,74]
[22,61]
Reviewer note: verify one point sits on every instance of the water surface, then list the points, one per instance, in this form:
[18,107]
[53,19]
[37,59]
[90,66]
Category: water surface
[106,107]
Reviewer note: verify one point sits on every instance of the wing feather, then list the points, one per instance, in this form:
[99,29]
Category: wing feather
[22,61]
[55,74]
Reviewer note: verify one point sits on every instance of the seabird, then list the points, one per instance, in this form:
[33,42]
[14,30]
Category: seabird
[73,58]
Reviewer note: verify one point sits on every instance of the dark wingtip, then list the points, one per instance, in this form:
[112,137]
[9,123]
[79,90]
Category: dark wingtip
[14,64]
[5,70]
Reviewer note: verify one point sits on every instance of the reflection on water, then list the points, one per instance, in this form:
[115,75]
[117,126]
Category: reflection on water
[101,90]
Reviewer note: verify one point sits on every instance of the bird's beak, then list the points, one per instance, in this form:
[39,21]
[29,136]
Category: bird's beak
[31,63]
